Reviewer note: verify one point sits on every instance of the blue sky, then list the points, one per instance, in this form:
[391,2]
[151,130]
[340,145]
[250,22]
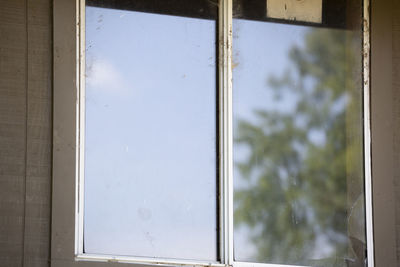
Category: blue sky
[150,173]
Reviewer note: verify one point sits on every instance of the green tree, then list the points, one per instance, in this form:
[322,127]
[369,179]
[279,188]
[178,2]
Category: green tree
[299,190]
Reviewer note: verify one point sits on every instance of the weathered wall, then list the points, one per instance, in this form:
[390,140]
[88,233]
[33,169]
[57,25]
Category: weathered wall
[25,131]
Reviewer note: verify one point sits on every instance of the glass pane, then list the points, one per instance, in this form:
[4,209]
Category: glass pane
[150,148]
[298,136]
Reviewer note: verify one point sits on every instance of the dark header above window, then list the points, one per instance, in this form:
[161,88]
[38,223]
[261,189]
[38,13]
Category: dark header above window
[335,13]
[203,9]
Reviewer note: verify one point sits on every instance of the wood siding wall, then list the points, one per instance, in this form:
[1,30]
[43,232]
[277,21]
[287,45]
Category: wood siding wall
[25,132]
[396,114]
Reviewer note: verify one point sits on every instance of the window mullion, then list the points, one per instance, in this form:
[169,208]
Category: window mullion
[80,37]
[225,132]
[367,133]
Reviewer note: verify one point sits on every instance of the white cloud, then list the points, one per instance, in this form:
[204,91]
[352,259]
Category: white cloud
[102,75]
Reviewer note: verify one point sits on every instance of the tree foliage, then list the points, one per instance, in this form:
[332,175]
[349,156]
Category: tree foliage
[304,173]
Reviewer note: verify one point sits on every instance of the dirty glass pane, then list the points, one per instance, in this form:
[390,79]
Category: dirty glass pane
[150,148]
[298,136]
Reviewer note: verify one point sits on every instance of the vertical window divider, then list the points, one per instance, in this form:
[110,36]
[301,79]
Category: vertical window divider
[367,133]
[80,134]
[225,130]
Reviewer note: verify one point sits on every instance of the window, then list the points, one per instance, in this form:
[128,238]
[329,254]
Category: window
[218,133]
[154,138]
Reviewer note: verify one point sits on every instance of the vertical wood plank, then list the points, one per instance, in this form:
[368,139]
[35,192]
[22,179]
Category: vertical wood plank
[396,115]
[382,124]
[64,130]
[12,130]
[39,132]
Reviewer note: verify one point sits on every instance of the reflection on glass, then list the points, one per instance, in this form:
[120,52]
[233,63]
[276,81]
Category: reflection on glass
[298,177]
[150,148]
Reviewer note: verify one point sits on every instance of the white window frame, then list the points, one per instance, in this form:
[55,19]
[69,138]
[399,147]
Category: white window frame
[69,95]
